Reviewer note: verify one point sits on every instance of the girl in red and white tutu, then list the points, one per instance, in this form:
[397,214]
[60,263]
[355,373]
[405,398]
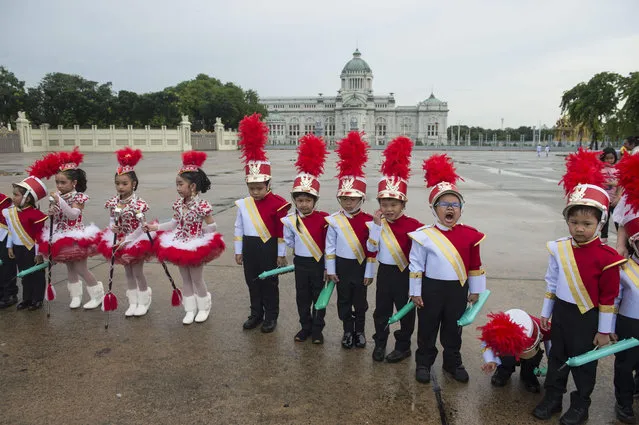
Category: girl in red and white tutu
[72,241]
[126,220]
[190,239]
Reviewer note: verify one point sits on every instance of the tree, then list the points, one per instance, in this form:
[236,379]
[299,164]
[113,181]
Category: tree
[629,113]
[12,95]
[593,103]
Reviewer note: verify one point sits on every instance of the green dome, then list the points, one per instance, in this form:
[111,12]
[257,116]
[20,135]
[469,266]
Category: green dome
[432,99]
[356,65]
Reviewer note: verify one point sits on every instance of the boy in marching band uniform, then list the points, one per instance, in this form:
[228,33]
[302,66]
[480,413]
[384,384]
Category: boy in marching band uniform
[389,238]
[627,303]
[445,272]
[25,222]
[305,232]
[8,287]
[582,282]
[348,263]
[259,238]
[509,338]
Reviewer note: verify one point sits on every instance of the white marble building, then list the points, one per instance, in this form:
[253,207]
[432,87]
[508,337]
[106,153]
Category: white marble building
[356,108]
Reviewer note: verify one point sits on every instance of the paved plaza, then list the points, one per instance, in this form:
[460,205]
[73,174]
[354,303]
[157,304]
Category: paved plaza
[67,369]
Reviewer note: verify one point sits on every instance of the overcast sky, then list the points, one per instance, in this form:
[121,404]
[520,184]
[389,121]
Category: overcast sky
[488,59]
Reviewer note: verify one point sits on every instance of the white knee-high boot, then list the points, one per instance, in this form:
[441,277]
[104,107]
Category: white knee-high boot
[132,295]
[75,291]
[190,307]
[144,302]
[97,294]
[203,307]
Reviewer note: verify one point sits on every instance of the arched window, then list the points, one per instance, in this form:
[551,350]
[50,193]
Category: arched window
[380,127]
[406,126]
[309,126]
[294,128]
[330,126]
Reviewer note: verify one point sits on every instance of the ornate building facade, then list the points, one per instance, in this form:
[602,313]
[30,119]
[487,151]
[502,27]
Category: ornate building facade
[356,108]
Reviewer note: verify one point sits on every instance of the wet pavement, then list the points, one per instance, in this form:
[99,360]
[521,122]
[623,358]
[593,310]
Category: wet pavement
[68,369]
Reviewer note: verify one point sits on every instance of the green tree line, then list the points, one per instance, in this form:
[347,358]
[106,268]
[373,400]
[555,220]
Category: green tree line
[65,99]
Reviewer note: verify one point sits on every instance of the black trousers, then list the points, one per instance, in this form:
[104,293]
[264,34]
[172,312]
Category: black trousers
[392,290]
[571,334]
[351,294]
[33,284]
[8,271]
[444,303]
[626,361]
[259,257]
[526,366]
[604,229]
[309,281]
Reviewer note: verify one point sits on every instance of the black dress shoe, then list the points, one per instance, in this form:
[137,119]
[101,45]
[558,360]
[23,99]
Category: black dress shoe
[347,340]
[317,338]
[422,374]
[459,373]
[23,305]
[547,407]
[574,416]
[268,326]
[396,356]
[302,335]
[35,305]
[359,340]
[379,352]
[9,301]
[532,387]
[625,414]
[499,379]
[252,322]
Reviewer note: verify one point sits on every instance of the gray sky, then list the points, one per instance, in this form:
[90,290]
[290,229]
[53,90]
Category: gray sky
[488,59]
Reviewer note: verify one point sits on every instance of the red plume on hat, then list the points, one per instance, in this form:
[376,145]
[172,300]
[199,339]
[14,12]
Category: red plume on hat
[440,169]
[583,167]
[353,154]
[128,158]
[628,178]
[395,169]
[253,137]
[192,161]
[70,160]
[311,155]
[505,337]
[46,167]
[397,158]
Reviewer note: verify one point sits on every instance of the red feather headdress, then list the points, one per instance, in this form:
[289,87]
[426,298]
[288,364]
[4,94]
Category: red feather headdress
[128,158]
[583,167]
[192,161]
[71,160]
[505,337]
[397,158]
[253,138]
[353,154]
[628,178]
[311,155]
[54,162]
[440,169]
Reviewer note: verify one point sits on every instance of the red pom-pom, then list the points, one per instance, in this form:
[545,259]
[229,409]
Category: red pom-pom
[195,158]
[253,137]
[628,178]
[504,336]
[129,156]
[311,155]
[583,167]
[176,298]
[440,169]
[46,167]
[110,302]
[397,158]
[353,154]
[50,293]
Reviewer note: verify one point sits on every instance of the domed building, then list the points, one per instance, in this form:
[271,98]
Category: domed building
[356,108]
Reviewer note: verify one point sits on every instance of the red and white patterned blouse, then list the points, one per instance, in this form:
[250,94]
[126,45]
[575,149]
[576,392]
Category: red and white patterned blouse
[189,218]
[127,219]
[64,223]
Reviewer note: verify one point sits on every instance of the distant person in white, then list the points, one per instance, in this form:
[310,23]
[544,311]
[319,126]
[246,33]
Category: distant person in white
[539,151]
[547,150]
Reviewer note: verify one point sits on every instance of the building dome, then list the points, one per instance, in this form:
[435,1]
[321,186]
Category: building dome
[356,65]
[432,100]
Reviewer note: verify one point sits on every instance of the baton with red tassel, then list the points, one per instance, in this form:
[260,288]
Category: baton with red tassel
[110,302]
[176,296]
[50,292]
